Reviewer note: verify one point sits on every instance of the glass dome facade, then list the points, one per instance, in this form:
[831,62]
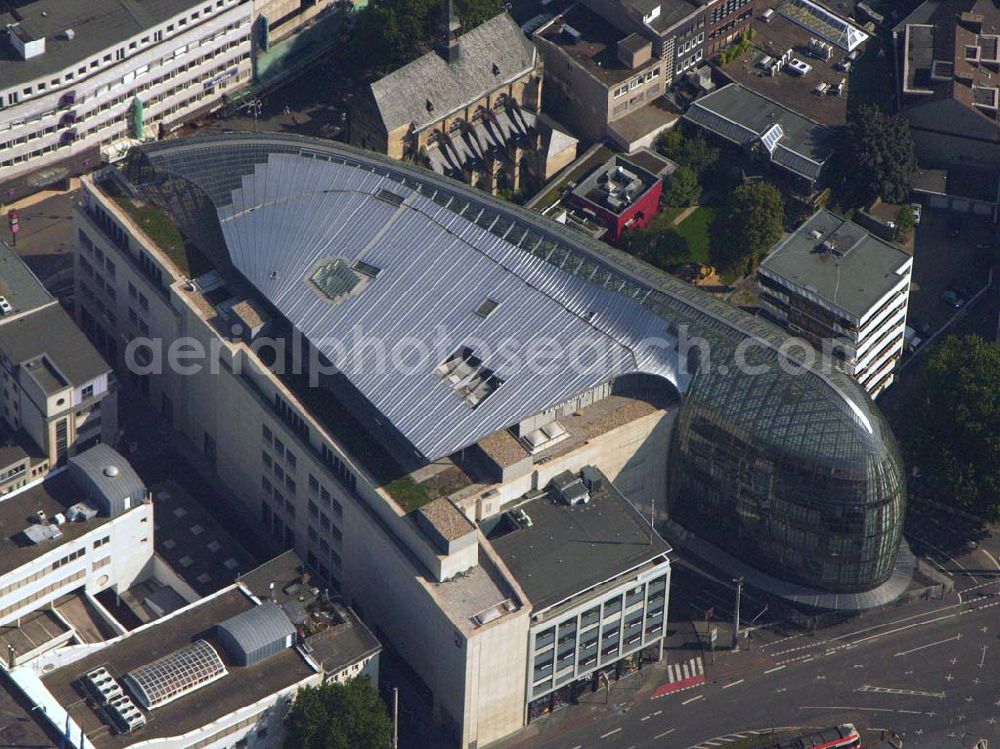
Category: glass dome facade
[783,462]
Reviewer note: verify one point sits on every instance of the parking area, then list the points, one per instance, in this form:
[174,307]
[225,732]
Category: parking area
[941,262]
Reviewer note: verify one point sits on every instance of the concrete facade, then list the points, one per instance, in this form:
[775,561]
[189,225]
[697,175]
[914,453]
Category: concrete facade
[308,492]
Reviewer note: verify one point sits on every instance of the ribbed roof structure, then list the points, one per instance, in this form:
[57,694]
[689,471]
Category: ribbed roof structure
[289,205]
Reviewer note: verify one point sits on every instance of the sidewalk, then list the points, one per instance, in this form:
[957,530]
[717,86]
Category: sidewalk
[38,197]
[623,696]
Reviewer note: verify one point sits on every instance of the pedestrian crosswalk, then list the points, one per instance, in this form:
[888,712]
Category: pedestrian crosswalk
[685,670]
[682,675]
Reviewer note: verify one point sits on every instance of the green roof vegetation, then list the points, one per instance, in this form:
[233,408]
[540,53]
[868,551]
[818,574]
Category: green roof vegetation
[408,493]
[340,422]
[158,226]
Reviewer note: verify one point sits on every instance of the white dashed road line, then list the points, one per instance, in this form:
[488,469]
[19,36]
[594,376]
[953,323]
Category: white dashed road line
[693,699]
[772,670]
[734,684]
[610,733]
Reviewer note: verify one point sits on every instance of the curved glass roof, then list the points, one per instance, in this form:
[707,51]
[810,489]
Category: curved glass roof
[820,410]
[175,675]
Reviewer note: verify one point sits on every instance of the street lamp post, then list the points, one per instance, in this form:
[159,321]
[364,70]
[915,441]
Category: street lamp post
[736,614]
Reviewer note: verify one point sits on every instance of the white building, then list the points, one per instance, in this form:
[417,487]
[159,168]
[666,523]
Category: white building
[839,286]
[58,394]
[423,571]
[79,81]
[87,527]
[217,673]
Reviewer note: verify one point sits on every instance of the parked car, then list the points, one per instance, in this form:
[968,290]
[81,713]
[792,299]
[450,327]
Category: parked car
[954,226]
[952,299]
[915,208]
[5,307]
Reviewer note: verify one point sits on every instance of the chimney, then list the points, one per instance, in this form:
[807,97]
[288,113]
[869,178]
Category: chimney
[448,47]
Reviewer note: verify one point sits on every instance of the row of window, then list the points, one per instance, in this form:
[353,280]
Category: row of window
[42,593]
[636,82]
[70,76]
[71,136]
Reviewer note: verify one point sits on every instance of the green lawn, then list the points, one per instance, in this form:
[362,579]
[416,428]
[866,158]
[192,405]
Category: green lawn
[696,230]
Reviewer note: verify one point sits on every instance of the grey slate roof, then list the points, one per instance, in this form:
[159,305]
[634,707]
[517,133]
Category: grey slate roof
[742,116]
[402,96]
[97,25]
[854,282]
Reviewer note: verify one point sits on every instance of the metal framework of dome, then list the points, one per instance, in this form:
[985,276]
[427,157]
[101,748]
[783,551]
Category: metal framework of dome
[175,675]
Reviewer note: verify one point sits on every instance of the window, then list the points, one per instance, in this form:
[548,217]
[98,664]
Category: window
[267,434]
[131,290]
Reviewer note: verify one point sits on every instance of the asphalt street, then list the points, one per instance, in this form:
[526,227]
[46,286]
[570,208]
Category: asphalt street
[927,670]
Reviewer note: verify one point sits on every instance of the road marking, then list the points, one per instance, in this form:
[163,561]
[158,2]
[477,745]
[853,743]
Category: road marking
[610,733]
[658,712]
[772,670]
[734,684]
[993,558]
[892,690]
[956,638]
[665,733]
[898,629]
[943,553]
[983,659]
[693,699]
[865,709]
[643,720]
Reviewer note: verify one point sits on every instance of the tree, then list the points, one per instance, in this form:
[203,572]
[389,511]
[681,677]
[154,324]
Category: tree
[388,34]
[339,716]
[879,159]
[693,152]
[748,226]
[684,188]
[905,223]
[952,432]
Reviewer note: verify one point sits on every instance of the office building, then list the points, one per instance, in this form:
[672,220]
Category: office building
[606,61]
[219,672]
[598,579]
[86,527]
[837,285]
[80,82]
[385,477]
[59,395]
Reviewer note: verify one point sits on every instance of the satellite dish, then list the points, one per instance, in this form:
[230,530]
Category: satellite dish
[111,471]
